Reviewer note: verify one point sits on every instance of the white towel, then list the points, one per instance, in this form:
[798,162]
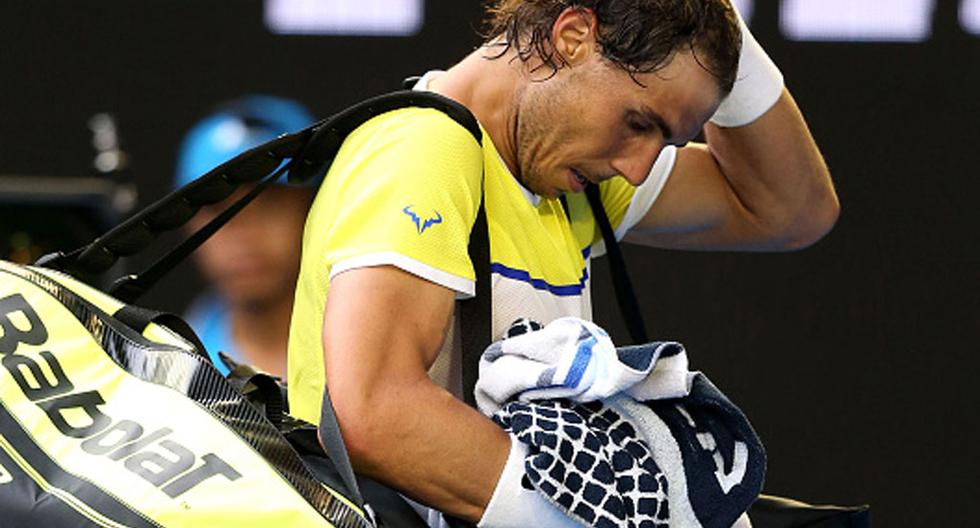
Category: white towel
[575,359]
[619,437]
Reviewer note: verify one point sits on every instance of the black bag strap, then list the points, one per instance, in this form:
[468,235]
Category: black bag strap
[309,153]
[335,447]
[130,288]
[329,428]
[262,390]
[629,307]
[476,313]
[138,318]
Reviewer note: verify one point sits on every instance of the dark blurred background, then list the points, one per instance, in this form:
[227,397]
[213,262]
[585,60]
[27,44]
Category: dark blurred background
[855,359]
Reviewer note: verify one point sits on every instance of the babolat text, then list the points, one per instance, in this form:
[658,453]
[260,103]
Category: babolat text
[161,461]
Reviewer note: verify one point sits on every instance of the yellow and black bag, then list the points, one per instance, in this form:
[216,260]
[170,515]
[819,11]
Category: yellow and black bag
[103,425]
[111,415]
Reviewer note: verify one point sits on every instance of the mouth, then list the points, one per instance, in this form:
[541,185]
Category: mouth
[577,180]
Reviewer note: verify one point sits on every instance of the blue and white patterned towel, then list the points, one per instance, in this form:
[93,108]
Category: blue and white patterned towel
[590,462]
[576,360]
[667,449]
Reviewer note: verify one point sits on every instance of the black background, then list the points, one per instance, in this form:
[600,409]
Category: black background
[855,359]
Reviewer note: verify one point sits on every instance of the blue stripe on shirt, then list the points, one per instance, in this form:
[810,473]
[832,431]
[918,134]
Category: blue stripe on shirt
[561,290]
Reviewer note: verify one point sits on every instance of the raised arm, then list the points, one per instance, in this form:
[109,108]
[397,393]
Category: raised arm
[759,183]
[382,329]
[762,186]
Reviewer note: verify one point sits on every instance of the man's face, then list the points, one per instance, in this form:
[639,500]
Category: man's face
[592,121]
[254,259]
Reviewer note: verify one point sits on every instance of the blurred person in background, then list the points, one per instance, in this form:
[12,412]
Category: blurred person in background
[251,264]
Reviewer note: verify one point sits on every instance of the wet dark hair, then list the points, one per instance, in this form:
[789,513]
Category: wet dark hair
[640,36]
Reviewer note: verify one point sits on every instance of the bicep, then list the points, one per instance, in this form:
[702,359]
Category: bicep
[382,329]
[762,186]
[382,323]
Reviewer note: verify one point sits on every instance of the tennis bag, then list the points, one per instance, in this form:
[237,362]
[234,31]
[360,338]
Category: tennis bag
[112,415]
[104,424]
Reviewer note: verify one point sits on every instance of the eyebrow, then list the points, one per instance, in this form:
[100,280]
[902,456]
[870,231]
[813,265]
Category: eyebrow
[652,115]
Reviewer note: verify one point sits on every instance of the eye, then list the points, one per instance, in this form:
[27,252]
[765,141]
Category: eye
[639,124]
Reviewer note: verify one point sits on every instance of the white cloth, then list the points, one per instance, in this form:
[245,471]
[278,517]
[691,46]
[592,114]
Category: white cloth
[511,502]
[575,359]
[758,85]
[666,434]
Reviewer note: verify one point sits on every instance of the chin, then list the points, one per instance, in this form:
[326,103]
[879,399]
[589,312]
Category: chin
[531,184]
[251,298]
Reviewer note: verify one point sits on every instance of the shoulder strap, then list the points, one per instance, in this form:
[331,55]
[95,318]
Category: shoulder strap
[329,429]
[476,314]
[307,155]
[335,447]
[629,307]
[138,318]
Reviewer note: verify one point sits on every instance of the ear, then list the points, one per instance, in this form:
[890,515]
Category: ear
[574,35]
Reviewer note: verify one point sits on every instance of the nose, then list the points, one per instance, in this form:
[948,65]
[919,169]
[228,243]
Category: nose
[636,160]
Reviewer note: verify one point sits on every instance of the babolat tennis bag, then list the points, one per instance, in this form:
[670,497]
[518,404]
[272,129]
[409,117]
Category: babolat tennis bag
[101,424]
[112,415]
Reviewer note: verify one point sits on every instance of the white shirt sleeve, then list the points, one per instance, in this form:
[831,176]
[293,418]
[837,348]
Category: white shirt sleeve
[648,192]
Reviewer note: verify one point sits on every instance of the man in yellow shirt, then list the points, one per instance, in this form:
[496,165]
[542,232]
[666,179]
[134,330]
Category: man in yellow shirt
[567,93]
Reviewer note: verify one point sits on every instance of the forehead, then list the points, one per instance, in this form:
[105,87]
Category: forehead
[682,93]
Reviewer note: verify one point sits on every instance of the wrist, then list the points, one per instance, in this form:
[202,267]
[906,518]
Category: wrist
[758,85]
[514,506]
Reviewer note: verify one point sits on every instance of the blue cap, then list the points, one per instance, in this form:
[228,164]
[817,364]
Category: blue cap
[234,128]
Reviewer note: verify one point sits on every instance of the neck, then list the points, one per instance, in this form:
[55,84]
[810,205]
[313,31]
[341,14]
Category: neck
[491,88]
[261,333]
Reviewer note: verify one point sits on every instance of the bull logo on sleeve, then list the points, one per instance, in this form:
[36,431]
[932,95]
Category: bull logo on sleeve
[420,224]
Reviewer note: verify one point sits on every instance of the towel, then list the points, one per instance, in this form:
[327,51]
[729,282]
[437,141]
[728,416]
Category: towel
[576,360]
[622,437]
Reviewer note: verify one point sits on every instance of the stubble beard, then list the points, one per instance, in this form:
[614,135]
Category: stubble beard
[535,114]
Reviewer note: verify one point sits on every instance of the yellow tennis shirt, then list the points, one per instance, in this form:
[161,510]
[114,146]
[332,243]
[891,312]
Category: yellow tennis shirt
[404,191]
